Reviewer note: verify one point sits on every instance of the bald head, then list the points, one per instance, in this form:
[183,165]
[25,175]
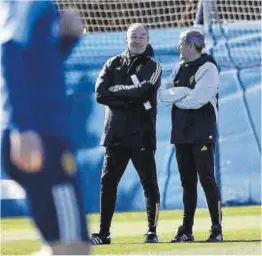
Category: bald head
[137,38]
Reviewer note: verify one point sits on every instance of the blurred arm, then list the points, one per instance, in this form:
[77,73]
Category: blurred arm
[71,28]
[18,32]
[21,29]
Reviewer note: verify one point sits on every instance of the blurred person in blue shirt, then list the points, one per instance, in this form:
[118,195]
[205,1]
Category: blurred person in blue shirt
[36,148]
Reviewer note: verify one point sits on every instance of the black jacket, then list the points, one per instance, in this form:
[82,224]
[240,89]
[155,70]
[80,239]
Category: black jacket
[127,121]
[194,125]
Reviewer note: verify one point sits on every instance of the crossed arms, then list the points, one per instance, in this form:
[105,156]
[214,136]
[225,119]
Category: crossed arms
[126,95]
[207,80]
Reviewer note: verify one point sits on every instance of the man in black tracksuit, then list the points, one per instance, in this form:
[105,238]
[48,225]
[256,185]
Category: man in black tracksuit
[127,86]
[192,88]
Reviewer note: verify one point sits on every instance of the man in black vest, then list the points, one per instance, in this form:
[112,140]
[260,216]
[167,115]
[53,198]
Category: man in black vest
[192,88]
[127,85]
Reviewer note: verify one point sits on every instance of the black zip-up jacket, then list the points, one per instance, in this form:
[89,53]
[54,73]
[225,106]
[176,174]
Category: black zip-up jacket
[130,112]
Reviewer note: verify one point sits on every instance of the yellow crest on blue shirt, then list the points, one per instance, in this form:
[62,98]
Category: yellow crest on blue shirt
[68,162]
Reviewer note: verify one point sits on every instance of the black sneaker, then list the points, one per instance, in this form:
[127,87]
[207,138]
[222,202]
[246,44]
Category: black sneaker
[151,238]
[97,239]
[216,234]
[182,236]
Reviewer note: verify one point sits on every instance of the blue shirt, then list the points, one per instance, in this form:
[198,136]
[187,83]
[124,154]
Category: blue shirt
[32,83]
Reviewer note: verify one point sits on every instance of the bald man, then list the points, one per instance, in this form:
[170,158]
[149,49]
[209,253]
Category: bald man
[192,89]
[127,85]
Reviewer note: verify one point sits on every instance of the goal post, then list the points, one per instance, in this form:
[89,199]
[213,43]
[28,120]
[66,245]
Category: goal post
[237,26]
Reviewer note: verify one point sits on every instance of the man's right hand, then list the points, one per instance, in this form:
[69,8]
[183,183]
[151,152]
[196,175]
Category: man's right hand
[27,151]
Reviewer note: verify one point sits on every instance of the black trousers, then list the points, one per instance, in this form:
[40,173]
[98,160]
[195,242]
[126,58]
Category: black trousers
[197,160]
[115,163]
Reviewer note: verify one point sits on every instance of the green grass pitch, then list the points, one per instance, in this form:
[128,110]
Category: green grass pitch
[242,234]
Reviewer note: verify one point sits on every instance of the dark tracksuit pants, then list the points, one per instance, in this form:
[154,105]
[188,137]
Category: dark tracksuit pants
[193,160]
[115,163]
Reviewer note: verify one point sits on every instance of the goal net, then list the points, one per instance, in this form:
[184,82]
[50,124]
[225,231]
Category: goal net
[238,22]
[235,29]
[117,15]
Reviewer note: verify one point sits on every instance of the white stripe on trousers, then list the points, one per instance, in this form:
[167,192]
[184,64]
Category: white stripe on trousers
[156,215]
[219,212]
[67,212]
